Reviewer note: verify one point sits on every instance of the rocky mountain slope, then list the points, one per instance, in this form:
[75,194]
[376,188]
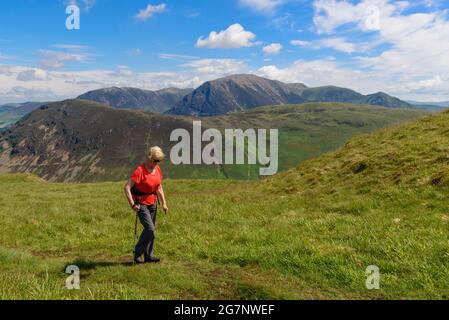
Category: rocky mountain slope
[241,92]
[133,98]
[78,140]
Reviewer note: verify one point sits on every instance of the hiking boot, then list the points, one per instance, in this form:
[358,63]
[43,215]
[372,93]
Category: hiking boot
[138,261]
[152,260]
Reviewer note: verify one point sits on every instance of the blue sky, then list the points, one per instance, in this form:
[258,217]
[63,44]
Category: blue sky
[368,45]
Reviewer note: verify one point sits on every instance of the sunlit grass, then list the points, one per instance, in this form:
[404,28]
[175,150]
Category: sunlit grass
[307,234]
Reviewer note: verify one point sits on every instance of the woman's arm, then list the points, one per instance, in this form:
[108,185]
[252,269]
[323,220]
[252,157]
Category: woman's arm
[128,186]
[161,195]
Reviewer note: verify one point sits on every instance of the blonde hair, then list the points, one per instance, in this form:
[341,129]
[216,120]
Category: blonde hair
[156,154]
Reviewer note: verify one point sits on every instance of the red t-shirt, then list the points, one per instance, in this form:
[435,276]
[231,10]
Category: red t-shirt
[147,182]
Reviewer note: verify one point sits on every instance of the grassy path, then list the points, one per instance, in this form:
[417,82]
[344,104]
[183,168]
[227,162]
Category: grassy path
[223,240]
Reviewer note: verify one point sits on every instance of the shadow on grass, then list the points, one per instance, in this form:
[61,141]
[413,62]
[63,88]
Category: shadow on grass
[85,265]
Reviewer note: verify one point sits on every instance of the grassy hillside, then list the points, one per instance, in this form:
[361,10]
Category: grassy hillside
[309,233]
[309,130]
[81,141]
[416,154]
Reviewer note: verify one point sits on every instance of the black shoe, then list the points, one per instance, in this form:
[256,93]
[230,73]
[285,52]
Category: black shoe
[138,261]
[152,260]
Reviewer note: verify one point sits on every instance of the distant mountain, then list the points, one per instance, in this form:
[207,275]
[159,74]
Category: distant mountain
[383,99]
[241,92]
[133,98]
[12,112]
[237,93]
[79,140]
[430,106]
[330,94]
[442,104]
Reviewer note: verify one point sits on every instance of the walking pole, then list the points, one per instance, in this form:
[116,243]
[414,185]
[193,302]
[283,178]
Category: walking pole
[135,241]
[135,238]
[135,229]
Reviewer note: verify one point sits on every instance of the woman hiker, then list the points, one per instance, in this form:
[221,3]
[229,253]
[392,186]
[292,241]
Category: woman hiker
[143,190]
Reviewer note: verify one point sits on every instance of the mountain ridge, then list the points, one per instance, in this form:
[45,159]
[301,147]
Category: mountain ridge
[135,98]
[80,140]
[222,96]
[235,93]
[246,91]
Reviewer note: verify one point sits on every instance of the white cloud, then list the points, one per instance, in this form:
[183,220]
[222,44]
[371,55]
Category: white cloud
[300,43]
[366,15]
[317,73]
[124,71]
[17,94]
[430,83]
[272,49]
[150,11]
[233,37]
[32,75]
[339,44]
[55,59]
[69,46]
[414,64]
[263,6]
[214,68]
[332,72]
[426,85]
[5,70]
[179,57]
[19,83]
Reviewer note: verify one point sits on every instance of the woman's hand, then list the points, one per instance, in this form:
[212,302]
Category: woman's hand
[136,208]
[165,208]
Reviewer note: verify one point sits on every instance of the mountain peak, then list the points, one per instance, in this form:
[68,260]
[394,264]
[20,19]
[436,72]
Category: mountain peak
[236,93]
[233,93]
[134,98]
[383,99]
[247,91]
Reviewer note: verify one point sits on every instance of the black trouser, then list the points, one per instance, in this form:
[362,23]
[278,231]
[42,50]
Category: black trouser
[147,217]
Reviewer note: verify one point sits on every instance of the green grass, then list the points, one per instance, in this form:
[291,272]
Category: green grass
[218,245]
[305,131]
[309,233]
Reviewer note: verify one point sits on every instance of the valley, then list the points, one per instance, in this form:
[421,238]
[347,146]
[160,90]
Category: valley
[11,113]
[82,141]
